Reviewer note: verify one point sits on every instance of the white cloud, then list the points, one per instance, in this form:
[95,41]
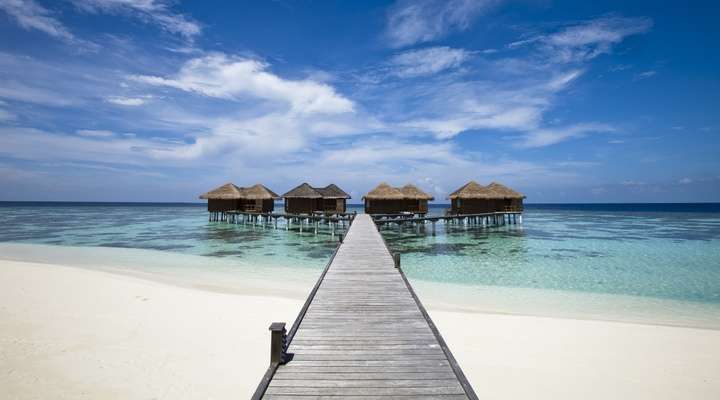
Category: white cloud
[645,75]
[365,162]
[6,115]
[233,78]
[449,109]
[561,81]
[517,92]
[385,151]
[21,92]
[35,144]
[418,21]
[587,40]
[631,182]
[515,118]
[427,61]
[126,101]
[31,15]
[94,133]
[685,181]
[548,136]
[155,11]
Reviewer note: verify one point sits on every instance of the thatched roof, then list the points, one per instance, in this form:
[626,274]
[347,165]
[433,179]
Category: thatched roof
[412,192]
[259,192]
[332,191]
[384,191]
[473,190]
[504,191]
[227,191]
[305,191]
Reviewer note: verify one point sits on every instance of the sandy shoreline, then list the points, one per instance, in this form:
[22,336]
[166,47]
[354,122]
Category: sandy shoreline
[71,333]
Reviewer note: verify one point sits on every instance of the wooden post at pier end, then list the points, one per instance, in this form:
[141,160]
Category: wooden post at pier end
[278,344]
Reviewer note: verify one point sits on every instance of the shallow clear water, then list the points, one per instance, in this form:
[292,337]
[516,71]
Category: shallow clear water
[654,254]
[651,253]
[176,228]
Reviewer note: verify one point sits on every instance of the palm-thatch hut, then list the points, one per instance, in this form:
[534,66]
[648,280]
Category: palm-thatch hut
[507,199]
[473,198]
[229,197]
[385,199]
[334,199]
[416,201]
[305,199]
[224,198]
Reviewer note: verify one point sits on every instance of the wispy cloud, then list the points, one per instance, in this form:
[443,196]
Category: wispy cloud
[427,61]
[519,89]
[645,75]
[95,133]
[6,115]
[419,21]
[447,109]
[126,101]
[31,94]
[548,136]
[586,40]
[234,78]
[39,145]
[153,11]
[31,15]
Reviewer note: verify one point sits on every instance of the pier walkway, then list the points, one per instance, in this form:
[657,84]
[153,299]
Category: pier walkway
[362,334]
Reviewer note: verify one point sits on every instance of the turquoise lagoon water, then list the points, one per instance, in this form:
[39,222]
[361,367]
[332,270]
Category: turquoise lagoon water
[658,263]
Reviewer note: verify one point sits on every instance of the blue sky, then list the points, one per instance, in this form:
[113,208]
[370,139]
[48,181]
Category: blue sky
[154,100]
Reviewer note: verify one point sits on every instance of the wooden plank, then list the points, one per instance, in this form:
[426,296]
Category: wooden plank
[346,397]
[364,334]
[351,391]
[329,370]
[281,374]
[365,363]
[369,383]
[368,357]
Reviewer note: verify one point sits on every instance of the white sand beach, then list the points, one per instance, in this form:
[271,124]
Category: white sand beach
[72,333]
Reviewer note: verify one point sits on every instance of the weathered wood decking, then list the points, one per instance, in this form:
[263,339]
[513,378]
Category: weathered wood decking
[364,334]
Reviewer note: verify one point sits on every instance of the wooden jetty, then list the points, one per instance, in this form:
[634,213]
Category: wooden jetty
[362,333]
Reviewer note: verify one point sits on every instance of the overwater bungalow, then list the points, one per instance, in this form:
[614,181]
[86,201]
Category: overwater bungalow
[507,199]
[473,198]
[385,199]
[230,197]
[305,199]
[416,201]
[334,199]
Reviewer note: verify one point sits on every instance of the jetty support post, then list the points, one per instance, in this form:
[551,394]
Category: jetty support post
[396,259]
[278,343]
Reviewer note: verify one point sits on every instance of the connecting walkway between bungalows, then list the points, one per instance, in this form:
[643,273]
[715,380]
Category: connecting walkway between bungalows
[362,334]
